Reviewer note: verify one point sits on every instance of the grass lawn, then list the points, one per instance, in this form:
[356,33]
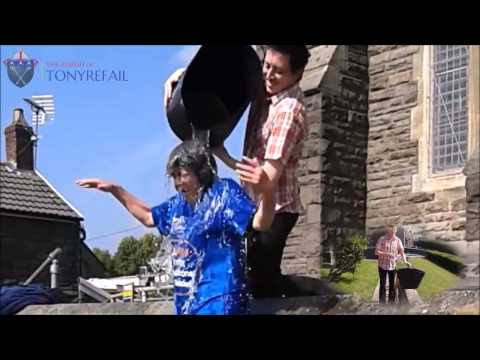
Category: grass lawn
[363,285]
[436,278]
[435,281]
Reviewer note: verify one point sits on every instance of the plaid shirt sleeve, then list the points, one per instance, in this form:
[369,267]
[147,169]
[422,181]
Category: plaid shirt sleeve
[286,131]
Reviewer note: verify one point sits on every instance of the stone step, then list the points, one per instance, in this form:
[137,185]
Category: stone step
[411,296]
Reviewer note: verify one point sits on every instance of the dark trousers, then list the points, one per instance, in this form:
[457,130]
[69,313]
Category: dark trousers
[391,285]
[265,256]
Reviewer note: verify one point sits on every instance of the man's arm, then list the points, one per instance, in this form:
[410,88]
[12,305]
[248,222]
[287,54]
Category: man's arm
[266,211]
[136,207]
[222,153]
[401,250]
[287,131]
[274,170]
[253,174]
[260,177]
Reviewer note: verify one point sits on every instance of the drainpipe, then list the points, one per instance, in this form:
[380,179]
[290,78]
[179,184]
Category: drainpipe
[47,261]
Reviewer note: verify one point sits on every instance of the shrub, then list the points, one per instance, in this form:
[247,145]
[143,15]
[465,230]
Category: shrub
[449,262]
[435,245]
[347,256]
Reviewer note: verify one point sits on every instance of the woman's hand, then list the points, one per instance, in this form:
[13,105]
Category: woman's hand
[98,184]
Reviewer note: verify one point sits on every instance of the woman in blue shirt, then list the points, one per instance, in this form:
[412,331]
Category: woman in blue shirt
[205,224]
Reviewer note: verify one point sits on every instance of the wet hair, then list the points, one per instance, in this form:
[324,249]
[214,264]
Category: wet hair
[193,155]
[299,55]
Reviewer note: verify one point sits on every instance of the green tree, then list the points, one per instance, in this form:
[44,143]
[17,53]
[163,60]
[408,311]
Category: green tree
[133,253]
[148,247]
[106,259]
[125,259]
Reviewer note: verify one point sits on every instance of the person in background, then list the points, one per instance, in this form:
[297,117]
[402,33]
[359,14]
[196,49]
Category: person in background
[388,248]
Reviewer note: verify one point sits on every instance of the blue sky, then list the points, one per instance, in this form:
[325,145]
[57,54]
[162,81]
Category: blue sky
[116,130]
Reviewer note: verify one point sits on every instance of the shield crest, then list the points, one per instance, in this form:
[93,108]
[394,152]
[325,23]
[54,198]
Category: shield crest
[20,69]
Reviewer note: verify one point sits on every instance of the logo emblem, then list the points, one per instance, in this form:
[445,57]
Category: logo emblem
[20,68]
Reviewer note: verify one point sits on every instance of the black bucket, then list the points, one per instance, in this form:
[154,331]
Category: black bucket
[214,92]
[410,278]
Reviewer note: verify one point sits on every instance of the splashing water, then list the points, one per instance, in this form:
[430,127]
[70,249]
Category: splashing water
[209,231]
[204,137]
[200,135]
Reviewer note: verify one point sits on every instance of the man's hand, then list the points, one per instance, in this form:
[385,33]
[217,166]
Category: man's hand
[251,172]
[170,85]
[221,152]
[97,184]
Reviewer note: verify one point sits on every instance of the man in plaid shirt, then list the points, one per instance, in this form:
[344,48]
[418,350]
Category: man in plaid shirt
[388,248]
[274,138]
[275,135]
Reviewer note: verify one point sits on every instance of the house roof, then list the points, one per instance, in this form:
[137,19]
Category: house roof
[27,191]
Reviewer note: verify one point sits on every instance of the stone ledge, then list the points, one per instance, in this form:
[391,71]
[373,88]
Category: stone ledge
[310,305]
[458,301]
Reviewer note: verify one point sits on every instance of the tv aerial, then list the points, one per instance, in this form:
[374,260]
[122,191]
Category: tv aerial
[43,110]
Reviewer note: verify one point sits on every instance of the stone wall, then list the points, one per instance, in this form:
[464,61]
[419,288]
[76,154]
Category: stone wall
[472,227]
[345,131]
[368,100]
[332,171]
[395,96]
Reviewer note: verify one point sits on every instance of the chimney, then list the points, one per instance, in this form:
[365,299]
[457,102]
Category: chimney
[18,142]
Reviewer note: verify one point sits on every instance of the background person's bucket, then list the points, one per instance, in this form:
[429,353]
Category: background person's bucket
[410,278]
